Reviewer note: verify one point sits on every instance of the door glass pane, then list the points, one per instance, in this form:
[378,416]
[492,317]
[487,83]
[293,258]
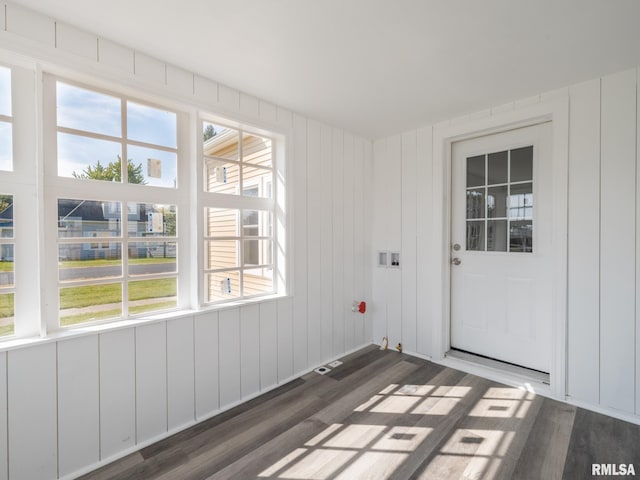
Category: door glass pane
[475,203]
[521,236]
[521,202]
[475,235]
[522,164]
[497,202]
[498,168]
[475,171]
[497,235]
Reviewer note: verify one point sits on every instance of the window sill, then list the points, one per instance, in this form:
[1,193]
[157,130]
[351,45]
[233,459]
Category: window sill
[84,330]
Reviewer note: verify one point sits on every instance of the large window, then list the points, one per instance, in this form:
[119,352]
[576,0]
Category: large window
[7,240]
[238,203]
[117,250]
[110,211]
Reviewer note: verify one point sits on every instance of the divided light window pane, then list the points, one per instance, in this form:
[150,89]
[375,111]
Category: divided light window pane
[6,146]
[152,167]
[89,111]
[6,217]
[5,91]
[87,157]
[238,243]
[151,220]
[151,125]
[220,142]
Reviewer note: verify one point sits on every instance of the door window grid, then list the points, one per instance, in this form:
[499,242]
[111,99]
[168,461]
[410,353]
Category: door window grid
[499,215]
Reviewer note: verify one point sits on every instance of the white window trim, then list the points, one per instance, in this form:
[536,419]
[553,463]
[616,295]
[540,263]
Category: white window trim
[56,187]
[31,142]
[240,202]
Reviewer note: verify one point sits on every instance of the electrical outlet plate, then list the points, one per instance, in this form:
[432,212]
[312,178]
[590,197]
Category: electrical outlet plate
[335,363]
[322,370]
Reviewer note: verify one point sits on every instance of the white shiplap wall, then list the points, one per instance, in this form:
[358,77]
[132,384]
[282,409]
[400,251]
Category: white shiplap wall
[603,320]
[68,405]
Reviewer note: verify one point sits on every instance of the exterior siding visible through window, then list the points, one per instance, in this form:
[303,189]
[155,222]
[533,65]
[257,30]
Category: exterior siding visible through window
[238,242]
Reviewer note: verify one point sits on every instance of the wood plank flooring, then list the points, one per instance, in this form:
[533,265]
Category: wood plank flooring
[385,415]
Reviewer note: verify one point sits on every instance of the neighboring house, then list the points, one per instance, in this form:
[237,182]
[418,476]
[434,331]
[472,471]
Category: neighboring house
[6,230]
[98,221]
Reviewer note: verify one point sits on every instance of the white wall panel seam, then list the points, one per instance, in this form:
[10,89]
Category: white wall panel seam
[135,383]
[6,403]
[57,412]
[635,336]
[416,240]
[166,372]
[600,254]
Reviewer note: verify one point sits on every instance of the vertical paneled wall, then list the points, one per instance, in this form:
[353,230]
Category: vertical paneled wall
[401,222]
[603,304]
[74,403]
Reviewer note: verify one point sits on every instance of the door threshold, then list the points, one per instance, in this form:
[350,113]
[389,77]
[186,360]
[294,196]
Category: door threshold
[506,367]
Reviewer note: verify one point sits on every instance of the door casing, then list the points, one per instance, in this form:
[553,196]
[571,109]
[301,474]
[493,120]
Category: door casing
[555,111]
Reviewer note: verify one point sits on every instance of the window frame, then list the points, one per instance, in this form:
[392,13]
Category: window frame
[59,187]
[240,202]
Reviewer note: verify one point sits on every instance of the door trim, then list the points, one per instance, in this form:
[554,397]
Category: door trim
[557,112]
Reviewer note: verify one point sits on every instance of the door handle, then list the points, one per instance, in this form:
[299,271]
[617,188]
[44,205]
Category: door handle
[456,261]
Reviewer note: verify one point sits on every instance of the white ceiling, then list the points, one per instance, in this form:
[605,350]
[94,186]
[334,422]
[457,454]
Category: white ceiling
[374,67]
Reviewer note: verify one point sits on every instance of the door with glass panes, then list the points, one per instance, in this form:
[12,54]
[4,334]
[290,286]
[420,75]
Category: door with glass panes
[501,266]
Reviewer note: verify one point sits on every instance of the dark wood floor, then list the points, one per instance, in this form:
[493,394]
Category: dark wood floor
[387,415]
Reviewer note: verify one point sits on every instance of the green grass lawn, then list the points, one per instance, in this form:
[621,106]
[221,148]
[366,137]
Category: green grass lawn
[94,295]
[74,297]
[6,330]
[6,266]
[107,263]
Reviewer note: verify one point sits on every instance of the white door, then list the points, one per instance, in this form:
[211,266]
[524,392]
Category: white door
[501,270]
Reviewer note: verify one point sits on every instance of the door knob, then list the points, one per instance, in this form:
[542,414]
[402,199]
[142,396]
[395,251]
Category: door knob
[456,261]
